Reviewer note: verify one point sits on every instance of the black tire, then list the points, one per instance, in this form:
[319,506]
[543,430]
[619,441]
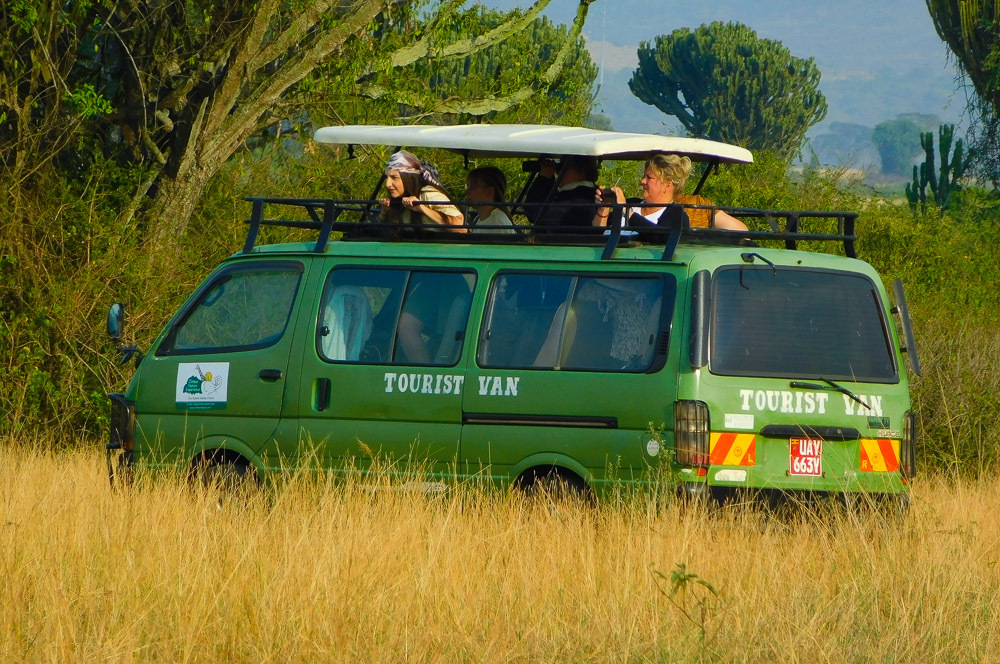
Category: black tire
[557,487]
[232,478]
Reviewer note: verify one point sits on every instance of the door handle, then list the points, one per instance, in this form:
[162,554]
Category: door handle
[322,393]
[270,374]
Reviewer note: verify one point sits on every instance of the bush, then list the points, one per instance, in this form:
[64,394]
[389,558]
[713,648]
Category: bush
[69,251]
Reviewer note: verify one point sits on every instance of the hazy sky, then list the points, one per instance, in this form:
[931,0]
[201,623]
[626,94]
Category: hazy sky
[878,57]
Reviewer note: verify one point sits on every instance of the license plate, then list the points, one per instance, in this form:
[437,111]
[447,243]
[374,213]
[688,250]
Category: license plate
[806,457]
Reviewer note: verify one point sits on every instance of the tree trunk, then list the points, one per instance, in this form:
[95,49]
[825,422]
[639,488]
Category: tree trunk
[175,202]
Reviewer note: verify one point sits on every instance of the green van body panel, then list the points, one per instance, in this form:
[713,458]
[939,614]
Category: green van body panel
[463,419]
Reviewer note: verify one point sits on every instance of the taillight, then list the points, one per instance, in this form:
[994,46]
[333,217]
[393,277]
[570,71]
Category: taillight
[122,422]
[691,433]
[908,448]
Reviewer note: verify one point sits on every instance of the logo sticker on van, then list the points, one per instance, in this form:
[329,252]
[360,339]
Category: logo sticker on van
[202,386]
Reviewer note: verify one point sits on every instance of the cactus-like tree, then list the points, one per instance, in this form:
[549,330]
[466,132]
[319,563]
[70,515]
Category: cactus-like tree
[971,29]
[725,83]
[972,32]
[943,179]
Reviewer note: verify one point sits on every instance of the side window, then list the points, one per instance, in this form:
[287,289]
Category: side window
[242,309]
[394,316]
[573,322]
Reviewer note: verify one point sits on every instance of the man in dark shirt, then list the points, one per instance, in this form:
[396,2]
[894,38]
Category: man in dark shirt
[576,187]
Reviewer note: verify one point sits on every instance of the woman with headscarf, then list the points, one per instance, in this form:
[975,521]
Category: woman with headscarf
[662,182]
[416,195]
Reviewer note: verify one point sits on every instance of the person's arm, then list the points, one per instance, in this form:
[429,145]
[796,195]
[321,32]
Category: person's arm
[408,331]
[727,222]
[442,215]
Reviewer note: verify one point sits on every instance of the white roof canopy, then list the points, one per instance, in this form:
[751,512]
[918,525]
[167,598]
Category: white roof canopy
[532,141]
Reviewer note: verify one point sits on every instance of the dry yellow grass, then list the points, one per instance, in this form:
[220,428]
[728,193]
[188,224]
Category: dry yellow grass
[321,574]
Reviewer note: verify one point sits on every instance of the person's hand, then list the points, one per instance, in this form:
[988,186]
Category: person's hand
[411,202]
[547,168]
[603,210]
[384,204]
[603,197]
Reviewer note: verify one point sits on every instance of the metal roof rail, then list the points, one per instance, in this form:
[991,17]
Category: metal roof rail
[672,229]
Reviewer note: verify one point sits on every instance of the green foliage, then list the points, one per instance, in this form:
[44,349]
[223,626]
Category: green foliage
[44,106]
[190,81]
[696,599]
[87,102]
[943,179]
[897,141]
[501,69]
[972,32]
[56,275]
[723,82]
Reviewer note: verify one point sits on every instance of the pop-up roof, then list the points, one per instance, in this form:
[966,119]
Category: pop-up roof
[531,141]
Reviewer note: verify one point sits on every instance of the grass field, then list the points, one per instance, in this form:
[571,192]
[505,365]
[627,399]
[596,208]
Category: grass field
[314,573]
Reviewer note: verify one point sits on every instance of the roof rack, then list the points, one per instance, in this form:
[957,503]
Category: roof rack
[673,227]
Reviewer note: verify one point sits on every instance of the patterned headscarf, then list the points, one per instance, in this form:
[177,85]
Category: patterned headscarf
[407,162]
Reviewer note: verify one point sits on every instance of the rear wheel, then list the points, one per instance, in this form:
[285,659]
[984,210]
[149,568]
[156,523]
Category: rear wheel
[232,477]
[556,486]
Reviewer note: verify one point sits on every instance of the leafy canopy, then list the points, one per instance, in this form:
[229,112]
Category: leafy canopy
[972,32]
[725,83]
[179,86]
[898,140]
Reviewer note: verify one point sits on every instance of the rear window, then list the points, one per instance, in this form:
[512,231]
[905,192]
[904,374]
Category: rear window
[797,323]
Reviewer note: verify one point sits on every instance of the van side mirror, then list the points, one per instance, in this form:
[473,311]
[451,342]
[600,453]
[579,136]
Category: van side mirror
[909,345]
[116,321]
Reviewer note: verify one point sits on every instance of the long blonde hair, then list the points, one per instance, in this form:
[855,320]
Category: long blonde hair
[671,168]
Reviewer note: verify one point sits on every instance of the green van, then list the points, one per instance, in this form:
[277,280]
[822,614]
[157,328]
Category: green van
[697,356]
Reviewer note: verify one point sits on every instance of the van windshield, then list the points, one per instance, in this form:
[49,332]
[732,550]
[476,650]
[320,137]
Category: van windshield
[796,323]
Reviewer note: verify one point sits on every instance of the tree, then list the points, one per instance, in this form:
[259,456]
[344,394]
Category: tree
[943,180]
[723,82]
[898,141]
[42,103]
[180,85]
[972,32]
[490,73]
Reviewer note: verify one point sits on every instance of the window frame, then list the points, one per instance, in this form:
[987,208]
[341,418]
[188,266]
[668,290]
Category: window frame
[661,341]
[166,347]
[410,271]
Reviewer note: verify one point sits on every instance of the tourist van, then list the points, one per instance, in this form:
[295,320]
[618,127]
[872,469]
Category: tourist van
[709,361]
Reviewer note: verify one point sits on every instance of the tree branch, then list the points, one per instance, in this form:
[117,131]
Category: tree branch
[240,69]
[289,37]
[423,47]
[492,104]
[240,124]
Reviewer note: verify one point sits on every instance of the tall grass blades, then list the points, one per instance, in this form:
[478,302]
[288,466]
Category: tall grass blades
[315,571]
